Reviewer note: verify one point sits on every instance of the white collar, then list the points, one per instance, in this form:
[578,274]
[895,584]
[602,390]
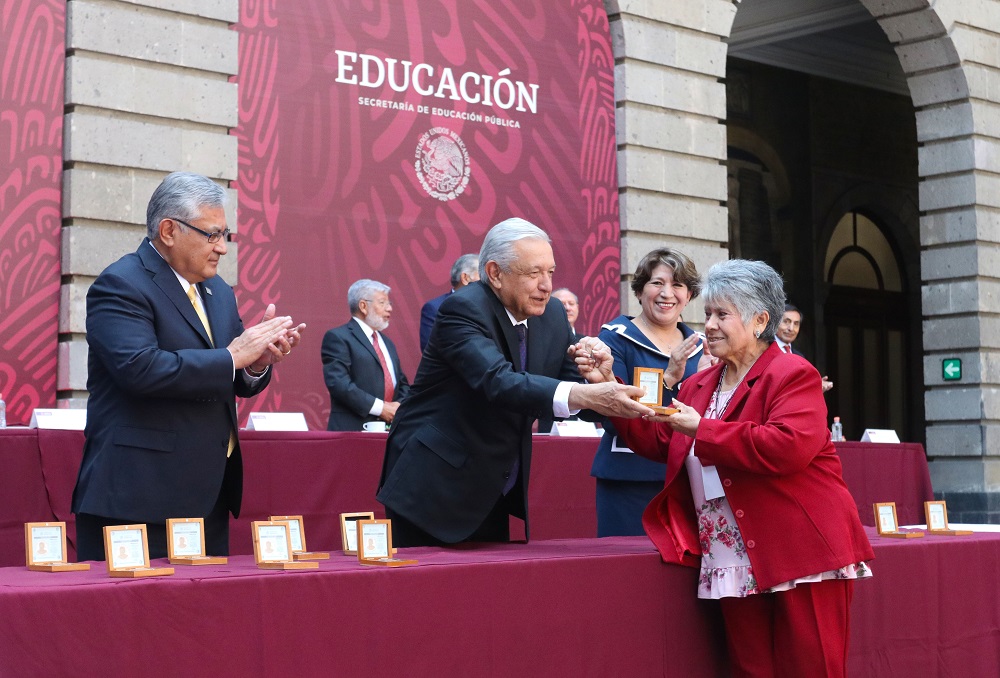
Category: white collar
[513,321]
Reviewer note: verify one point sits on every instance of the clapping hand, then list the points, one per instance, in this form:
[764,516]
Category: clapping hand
[268,342]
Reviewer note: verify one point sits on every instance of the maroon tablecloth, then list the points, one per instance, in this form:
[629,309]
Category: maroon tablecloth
[587,607]
[553,608]
[881,472]
[322,474]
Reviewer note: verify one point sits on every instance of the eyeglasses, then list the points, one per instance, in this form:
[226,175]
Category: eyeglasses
[213,237]
[379,302]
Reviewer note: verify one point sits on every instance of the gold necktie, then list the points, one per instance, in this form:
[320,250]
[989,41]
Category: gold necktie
[192,294]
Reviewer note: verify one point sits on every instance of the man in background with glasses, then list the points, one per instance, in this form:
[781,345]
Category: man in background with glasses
[360,363]
[168,356]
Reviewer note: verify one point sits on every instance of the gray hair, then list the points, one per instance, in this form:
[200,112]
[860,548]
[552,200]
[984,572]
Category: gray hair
[181,195]
[568,291]
[363,289]
[467,263]
[498,245]
[751,287]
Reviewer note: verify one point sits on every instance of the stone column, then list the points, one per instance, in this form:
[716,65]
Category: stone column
[951,54]
[148,92]
[670,60]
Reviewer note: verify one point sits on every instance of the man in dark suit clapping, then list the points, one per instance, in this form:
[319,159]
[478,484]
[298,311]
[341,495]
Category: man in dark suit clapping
[360,363]
[458,457]
[168,356]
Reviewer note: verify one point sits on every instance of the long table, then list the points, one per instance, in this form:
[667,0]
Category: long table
[322,474]
[582,607]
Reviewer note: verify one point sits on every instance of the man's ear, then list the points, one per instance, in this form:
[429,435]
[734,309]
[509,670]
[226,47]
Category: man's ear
[167,228]
[493,274]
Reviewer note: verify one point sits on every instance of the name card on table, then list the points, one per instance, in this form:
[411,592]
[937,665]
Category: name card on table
[59,419]
[277,421]
[578,429]
[879,435]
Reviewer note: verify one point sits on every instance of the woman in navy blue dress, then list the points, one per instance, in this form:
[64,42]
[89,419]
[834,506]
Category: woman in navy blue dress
[664,282]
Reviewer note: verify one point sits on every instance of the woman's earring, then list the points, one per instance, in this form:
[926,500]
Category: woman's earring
[757,334]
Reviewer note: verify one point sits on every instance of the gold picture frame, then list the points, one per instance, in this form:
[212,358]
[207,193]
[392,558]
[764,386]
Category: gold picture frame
[45,548]
[375,544]
[297,533]
[272,546]
[126,552]
[349,530]
[888,525]
[186,543]
[936,515]
[650,380]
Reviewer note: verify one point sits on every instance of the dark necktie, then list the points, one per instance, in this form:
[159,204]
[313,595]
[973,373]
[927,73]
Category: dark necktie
[522,345]
[386,376]
[522,349]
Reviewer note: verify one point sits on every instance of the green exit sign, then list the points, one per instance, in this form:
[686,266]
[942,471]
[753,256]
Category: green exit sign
[951,369]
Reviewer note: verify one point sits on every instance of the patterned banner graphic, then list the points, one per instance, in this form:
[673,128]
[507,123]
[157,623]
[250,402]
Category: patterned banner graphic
[382,140]
[32,49]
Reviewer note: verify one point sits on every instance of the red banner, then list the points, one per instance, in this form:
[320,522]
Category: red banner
[382,140]
[32,66]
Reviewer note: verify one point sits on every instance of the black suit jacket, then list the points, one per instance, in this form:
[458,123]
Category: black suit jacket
[428,314]
[354,376]
[468,417]
[162,398]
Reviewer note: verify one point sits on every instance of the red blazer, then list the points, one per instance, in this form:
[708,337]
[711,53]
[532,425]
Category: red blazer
[779,471]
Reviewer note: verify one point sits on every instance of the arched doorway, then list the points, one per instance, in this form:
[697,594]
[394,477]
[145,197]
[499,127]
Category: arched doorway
[867,336]
[839,130]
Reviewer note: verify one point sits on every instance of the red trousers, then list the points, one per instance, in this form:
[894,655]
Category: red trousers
[801,632]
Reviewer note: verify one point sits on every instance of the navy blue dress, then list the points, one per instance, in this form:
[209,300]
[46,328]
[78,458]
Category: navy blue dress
[626,482]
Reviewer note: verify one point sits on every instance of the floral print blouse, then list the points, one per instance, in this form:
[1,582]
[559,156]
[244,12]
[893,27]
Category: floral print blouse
[725,567]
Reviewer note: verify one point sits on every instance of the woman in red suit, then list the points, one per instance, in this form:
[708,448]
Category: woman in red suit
[754,494]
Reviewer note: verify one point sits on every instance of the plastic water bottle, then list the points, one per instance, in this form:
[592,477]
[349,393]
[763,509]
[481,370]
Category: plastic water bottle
[3,412]
[837,431]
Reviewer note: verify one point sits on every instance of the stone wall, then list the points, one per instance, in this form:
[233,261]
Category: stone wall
[670,59]
[148,92]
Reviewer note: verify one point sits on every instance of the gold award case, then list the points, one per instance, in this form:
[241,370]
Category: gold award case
[126,550]
[297,531]
[45,548]
[186,543]
[272,546]
[887,524]
[375,544]
[650,379]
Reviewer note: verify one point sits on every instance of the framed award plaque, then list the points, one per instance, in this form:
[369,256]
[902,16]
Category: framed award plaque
[297,530]
[887,525]
[186,543]
[126,551]
[937,520]
[650,380]
[375,544]
[272,546]
[349,530]
[45,548]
